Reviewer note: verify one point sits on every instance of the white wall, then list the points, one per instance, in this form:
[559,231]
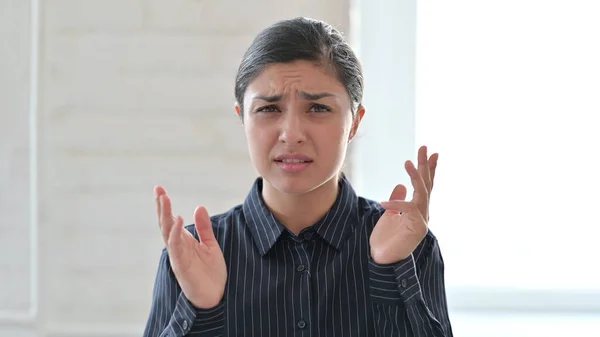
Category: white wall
[131,94]
[16,275]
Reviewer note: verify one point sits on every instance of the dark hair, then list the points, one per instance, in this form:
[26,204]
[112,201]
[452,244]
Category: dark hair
[301,39]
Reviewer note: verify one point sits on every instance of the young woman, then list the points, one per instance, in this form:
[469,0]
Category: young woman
[303,255]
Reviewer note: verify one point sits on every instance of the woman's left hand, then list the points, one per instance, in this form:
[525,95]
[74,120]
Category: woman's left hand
[403,225]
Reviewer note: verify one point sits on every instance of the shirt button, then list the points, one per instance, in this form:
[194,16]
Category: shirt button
[301,268]
[185,325]
[308,236]
[301,324]
[403,283]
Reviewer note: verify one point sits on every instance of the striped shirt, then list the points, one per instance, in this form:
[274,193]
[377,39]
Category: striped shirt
[321,282]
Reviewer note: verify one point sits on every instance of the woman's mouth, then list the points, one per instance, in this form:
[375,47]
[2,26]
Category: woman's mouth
[293,163]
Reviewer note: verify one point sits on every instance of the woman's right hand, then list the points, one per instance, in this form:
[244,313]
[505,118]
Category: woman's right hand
[198,266]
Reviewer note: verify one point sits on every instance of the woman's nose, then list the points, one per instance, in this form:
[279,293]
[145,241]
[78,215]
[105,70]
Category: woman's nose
[292,128]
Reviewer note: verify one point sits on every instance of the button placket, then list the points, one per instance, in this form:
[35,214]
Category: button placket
[303,293]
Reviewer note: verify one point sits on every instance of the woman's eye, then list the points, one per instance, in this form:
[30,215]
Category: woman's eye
[320,108]
[268,108]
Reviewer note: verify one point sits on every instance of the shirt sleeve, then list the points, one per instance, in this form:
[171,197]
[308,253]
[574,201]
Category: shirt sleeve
[172,314]
[409,297]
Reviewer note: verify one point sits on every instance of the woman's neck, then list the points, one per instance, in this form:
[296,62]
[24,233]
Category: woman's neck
[297,212]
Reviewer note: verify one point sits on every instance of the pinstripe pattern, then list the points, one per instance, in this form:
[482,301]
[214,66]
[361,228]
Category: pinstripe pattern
[319,283]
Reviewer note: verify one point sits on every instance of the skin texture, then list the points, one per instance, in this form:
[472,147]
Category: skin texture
[296,109]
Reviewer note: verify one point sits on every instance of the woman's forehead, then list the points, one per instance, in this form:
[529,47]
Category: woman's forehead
[300,77]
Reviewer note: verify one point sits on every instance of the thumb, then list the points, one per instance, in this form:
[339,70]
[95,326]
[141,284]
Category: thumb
[204,226]
[399,192]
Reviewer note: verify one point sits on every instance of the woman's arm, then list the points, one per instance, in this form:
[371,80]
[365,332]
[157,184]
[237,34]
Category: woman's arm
[409,297]
[171,313]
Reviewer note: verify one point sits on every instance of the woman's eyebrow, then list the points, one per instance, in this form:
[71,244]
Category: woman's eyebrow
[314,97]
[305,95]
[270,99]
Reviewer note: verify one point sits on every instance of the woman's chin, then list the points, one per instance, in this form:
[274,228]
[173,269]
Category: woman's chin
[292,185]
[296,185]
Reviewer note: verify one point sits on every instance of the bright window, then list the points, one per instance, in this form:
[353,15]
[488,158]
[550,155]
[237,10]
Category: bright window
[509,93]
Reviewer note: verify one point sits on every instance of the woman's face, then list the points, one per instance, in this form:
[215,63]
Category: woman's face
[298,122]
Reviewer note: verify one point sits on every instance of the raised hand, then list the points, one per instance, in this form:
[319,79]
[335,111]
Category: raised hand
[198,266]
[404,223]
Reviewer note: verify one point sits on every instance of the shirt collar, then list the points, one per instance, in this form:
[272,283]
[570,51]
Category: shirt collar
[334,227]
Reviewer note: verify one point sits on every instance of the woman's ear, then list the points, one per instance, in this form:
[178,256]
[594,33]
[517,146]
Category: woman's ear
[238,111]
[356,122]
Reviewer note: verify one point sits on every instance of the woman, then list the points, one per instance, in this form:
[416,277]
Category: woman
[303,255]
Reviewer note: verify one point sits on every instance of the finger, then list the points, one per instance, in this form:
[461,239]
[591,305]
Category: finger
[433,160]
[158,191]
[399,192]
[420,193]
[406,209]
[399,206]
[175,241]
[166,217]
[204,227]
[181,234]
[424,167]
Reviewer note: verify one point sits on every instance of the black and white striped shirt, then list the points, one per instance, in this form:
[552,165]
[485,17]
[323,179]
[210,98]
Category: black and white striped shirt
[319,283]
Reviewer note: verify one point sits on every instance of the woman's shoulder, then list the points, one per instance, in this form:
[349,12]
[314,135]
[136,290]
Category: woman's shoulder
[369,208]
[222,219]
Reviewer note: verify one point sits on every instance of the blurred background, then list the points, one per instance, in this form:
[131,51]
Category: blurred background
[100,100]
